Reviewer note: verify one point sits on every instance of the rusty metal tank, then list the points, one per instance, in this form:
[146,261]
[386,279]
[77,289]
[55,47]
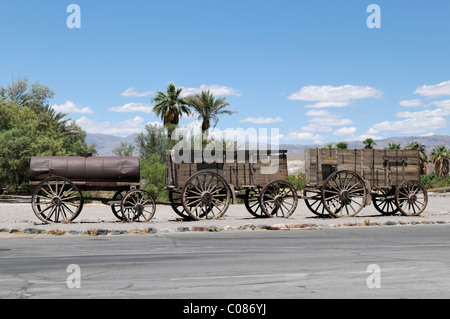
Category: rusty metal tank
[96,172]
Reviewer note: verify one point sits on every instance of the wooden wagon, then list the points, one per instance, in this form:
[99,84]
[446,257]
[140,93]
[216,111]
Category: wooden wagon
[201,188]
[57,184]
[341,182]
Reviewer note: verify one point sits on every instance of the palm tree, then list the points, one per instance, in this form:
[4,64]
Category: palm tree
[394,146]
[170,106]
[369,143]
[423,156]
[440,156]
[208,108]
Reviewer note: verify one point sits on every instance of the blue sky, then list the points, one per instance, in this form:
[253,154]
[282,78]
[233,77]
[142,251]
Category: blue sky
[312,69]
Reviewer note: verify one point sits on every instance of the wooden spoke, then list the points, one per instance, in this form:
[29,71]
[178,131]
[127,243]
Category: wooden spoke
[56,200]
[384,201]
[278,199]
[411,198]
[205,195]
[251,202]
[138,206]
[343,194]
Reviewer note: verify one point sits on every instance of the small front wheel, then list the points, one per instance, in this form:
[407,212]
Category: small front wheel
[411,198]
[278,199]
[138,205]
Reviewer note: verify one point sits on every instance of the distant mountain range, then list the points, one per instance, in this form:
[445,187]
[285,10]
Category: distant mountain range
[106,143]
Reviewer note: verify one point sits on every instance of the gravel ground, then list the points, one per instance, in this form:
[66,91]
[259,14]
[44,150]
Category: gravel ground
[17,219]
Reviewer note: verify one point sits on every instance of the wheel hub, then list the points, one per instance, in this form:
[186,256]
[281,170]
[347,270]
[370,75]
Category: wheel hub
[206,197]
[56,201]
[344,195]
[139,208]
[412,198]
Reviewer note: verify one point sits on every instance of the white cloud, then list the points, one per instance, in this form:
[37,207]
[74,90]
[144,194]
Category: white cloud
[320,105]
[262,120]
[217,90]
[131,92]
[71,108]
[444,104]
[345,131]
[318,113]
[325,123]
[426,113]
[132,107]
[443,110]
[124,128]
[441,89]
[331,95]
[413,125]
[411,103]
[305,136]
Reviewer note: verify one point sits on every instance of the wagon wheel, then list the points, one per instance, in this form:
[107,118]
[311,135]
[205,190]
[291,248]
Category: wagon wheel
[116,208]
[177,205]
[315,204]
[206,195]
[344,194]
[251,201]
[411,198]
[138,205]
[278,199]
[56,200]
[384,201]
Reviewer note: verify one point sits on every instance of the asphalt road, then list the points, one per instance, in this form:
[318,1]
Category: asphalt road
[335,263]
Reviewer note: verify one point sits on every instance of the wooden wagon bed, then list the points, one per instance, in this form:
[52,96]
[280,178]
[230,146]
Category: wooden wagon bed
[381,168]
[341,182]
[203,187]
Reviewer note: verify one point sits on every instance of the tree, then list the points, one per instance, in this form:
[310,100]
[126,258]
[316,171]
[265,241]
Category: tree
[170,106]
[423,156]
[208,108]
[342,145]
[394,146]
[152,146]
[154,141]
[124,149]
[440,156]
[30,127]
[369,143]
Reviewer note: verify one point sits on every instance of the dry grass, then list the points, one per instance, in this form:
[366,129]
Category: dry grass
[56,232]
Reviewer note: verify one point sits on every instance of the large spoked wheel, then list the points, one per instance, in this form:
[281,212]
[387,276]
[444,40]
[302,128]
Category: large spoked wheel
[344,194]
[177,204]
[56,200]
[411,198]
[206,195]
[251,202]
[138,206]
[278,199]
[384,201]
